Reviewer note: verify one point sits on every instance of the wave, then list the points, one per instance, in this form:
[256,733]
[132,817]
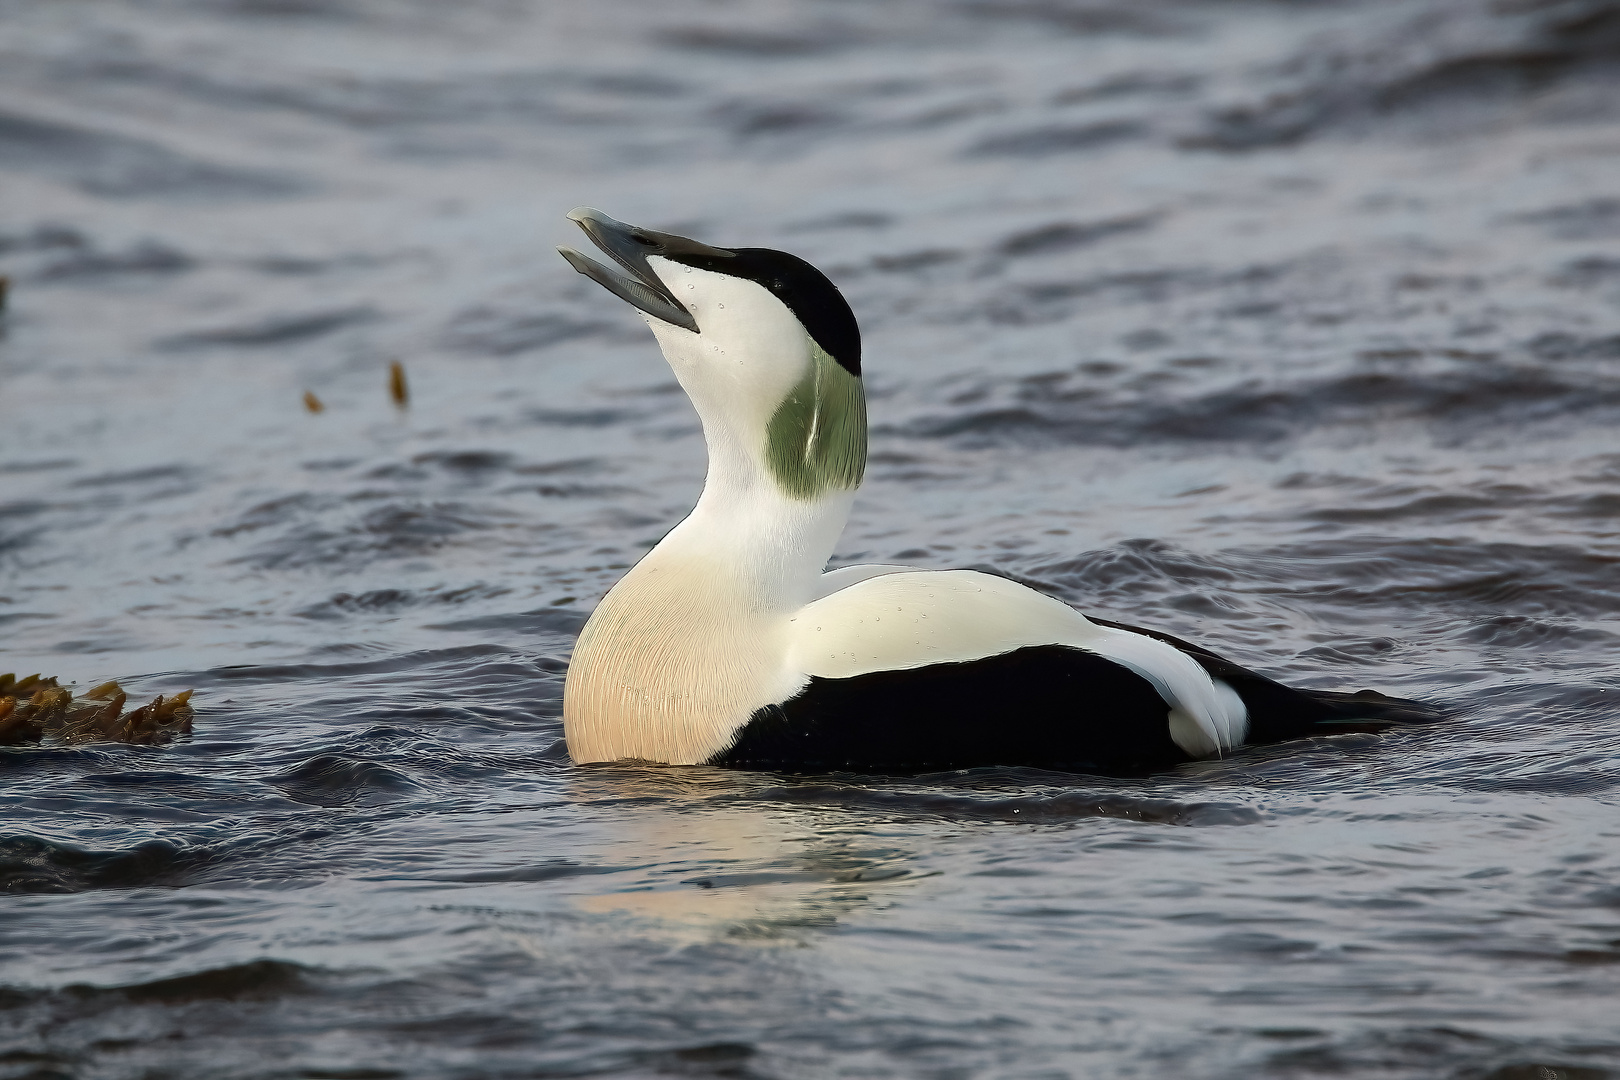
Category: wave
[121,166]
[32,865]
[1451,67]
[1056,807]
[1067,408]
[1364,574]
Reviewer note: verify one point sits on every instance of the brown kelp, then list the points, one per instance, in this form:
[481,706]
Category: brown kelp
[35,709]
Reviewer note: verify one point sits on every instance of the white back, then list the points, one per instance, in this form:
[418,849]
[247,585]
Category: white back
[894,621]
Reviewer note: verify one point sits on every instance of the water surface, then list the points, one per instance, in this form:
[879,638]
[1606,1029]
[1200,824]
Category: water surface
[1290,328]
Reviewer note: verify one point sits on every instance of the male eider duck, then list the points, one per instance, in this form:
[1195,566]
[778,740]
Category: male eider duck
[728,644]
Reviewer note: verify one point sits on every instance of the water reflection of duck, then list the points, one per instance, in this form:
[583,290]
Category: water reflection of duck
[718,855]
[728,644]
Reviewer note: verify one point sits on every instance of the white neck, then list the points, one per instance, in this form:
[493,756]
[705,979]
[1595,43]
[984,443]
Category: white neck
[774,547]
[691,642]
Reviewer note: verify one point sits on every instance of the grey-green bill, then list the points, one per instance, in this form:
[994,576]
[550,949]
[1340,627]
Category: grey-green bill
[629,246]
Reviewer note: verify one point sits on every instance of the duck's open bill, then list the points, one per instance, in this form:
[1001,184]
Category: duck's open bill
[629,246]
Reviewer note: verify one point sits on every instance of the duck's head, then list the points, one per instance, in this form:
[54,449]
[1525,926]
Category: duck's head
[764,345]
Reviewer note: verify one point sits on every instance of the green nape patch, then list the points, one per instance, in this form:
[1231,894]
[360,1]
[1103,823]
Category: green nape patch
[816,440]
[35,709]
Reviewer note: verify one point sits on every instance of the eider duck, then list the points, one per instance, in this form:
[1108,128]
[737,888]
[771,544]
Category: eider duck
[730,644]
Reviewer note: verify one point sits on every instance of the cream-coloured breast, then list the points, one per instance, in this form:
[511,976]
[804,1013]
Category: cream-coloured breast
[670,666]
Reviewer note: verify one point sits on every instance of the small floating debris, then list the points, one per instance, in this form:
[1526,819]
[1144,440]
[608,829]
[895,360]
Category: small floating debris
[35,709]
[313,403]
[5,290]
[396,384]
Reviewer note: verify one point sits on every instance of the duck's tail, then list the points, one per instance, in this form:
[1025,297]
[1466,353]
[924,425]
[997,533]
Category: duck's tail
[1368,711]
[1278,712]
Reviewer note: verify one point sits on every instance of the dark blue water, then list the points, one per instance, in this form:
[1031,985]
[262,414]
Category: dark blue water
[1290,328]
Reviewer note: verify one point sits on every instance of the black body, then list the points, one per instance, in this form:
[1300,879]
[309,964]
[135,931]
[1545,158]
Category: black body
[1045,706]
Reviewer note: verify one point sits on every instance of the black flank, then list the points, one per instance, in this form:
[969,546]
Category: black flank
[1046,706]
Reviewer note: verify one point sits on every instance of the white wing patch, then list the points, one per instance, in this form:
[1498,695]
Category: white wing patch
[894,619]
[845,576]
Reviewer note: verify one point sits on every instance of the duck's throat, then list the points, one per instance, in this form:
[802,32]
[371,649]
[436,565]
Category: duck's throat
[689,643]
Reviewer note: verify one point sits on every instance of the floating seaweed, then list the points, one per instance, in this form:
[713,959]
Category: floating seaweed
[396,384]
[36,709]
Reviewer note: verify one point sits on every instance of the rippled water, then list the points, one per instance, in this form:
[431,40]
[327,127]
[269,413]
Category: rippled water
[1291,328]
